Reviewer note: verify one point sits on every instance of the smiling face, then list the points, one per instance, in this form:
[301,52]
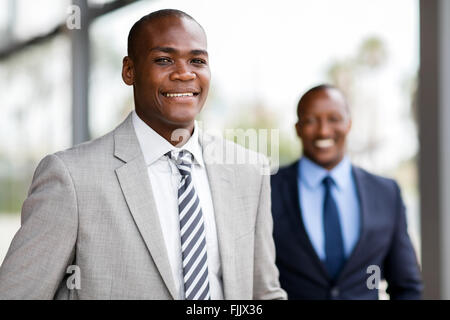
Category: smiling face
[169,72]
[323,125]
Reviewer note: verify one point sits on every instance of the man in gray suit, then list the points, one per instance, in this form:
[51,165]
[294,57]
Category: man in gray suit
[150,210]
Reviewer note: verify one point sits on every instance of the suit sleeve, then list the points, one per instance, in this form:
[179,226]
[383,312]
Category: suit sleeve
[266,283]
[401,267]
[44,246]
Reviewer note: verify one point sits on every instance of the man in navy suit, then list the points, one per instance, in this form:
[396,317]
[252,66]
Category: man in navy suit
[338,229]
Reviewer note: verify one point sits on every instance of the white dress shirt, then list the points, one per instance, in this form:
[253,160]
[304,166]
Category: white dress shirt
[164,179]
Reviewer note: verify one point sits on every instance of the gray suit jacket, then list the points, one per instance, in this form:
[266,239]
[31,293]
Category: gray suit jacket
[92,206]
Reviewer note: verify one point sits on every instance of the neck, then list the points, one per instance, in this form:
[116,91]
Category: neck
[176,134]
[326,165]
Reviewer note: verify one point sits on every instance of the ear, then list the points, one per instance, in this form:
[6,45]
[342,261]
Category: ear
[298,129]
[128,71]
[349,125]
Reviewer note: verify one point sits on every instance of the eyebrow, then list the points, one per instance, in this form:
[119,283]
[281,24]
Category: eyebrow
[173,50]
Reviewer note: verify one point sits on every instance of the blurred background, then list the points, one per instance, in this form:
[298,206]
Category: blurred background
[61,86]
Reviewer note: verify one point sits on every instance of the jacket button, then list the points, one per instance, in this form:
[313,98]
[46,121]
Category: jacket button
[334,292]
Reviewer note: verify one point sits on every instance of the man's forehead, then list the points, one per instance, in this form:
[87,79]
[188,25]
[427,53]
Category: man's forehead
[323,97]
[326,93]
[173,30]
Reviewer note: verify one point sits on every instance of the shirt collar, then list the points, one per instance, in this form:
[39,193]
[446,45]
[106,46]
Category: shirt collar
[154,146]
[313,174]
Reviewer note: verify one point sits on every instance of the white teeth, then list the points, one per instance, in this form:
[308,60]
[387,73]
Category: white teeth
[187,94]
[324,143]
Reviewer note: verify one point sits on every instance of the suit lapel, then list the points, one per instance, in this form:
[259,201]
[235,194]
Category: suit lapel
[221,177]
[138,194]
[291,197]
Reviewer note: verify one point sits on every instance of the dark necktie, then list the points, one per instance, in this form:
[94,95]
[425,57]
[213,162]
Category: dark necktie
[192,232]
[334,245]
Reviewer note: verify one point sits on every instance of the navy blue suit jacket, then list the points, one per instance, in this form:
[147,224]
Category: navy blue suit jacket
[383,242]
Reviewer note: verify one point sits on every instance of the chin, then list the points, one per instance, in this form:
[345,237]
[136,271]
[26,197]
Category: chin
[181,121]
[183,116]
[325,162]
[329,163]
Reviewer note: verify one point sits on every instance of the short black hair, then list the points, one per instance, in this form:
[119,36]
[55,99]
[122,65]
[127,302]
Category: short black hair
[135,29]
[320,87]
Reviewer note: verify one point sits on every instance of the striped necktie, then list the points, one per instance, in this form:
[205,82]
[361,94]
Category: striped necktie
[192,232]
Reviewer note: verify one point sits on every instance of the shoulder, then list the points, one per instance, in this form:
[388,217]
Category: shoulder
[88,152]
[101,150]
[88,158]
[285,172]
[64,169]
[375,184]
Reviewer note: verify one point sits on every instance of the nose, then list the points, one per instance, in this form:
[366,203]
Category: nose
[182,72]
[324,128]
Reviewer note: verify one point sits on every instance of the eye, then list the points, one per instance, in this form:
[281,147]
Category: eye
[309,120]
[163,60]
[334,119]
[198,61]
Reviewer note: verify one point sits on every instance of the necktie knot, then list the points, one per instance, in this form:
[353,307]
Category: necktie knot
[183,160]
[328,182]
